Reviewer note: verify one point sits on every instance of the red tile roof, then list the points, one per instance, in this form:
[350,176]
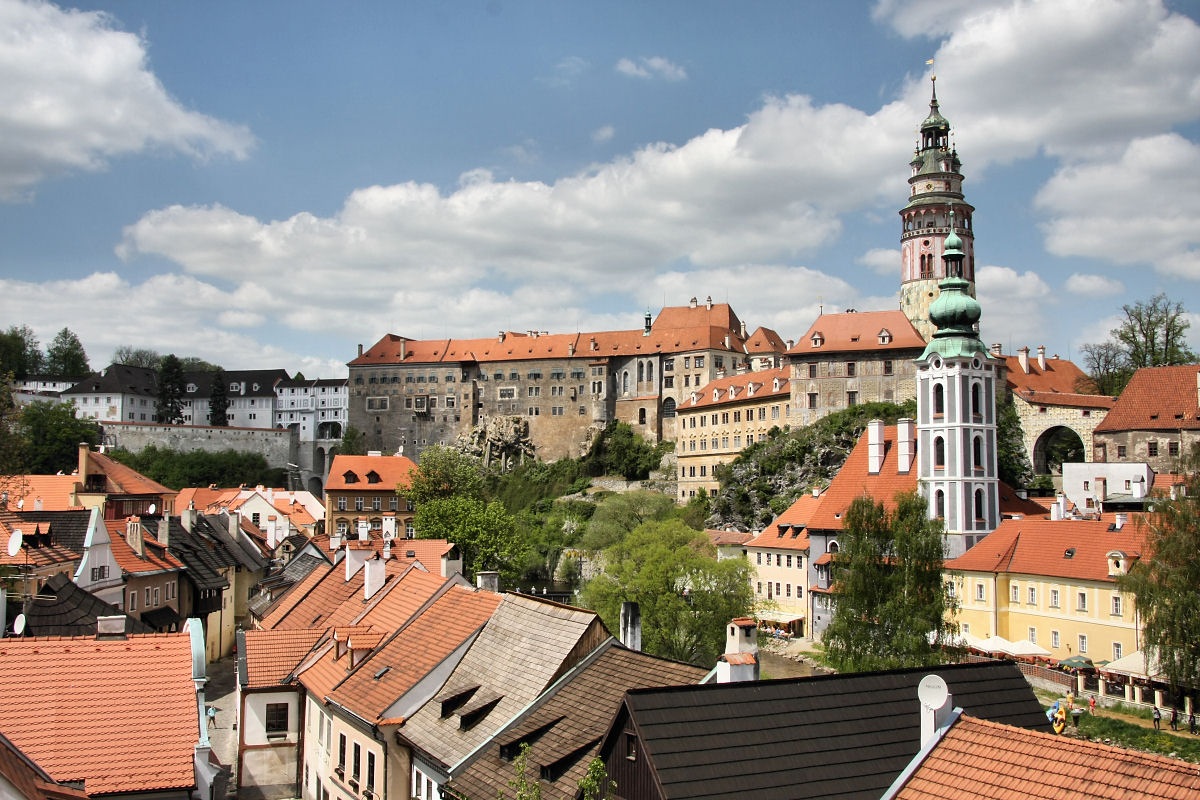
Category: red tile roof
[393,471]
[28,779]
[853,481]
[1060,376]
[1067,399]
[747,387]
[285,603]
[1041,547]
[156,558]
[272,655]
[118,714]
[795,518]
[56,492]
[125,480]
[859,331]
[765,340]
[977,758]
[1156,399]
[724,538]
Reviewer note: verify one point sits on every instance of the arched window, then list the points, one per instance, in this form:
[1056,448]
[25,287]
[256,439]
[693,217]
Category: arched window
[625,382]
[641,372]
[833,546]
[650,371]
[668,407]
[977,453]
[939,400]
[979,505]
[976,400]
[939,453]
[939,504]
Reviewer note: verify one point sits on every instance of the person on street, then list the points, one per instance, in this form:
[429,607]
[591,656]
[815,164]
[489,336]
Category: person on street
[1174,718]
[1157,718]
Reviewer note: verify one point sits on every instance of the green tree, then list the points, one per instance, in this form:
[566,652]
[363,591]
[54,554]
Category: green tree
[12,447]
[1012,462]
[65,357]
[196,364]
[1166,583]
[218,401]
[621,451]
[20,353]
[178,470]
[1154,333]
[889,592]
[51,433]
[1107,369]
[618,515]
[524,787]
[595,784]
[686,595]
[137,357]
[353,442]
[486,533]
[169,406]
[444,472]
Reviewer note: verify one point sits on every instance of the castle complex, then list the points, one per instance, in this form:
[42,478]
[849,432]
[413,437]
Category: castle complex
[411,394]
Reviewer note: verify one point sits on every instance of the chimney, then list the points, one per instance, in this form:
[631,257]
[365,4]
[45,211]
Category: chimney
[936,705]
[1058,509]
[592,345]
[403,349]
[85,448]
[906,445]
[742,329]
[1041,355]
[356,556]
[570,349]
[1023,359]
[133,535]
[500,337]
[112,627]
[389,526]
[708,302]
[740,661]
[272,532]
[816,491]
[1138,487]
[1119,520]
[488,580]
[648,323]
[1101,489]
[790,343]
[875,446]
[360,349]
[187,517]
[631,625]
[374,576]
[233,520]
[452,565]
[692,303]
[364,529]
[997,349]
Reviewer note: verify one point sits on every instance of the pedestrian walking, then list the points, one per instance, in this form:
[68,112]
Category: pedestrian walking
[1174,718]
[1092,705]
[1192,723]
[1157,719]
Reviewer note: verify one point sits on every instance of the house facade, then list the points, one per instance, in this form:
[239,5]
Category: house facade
[1156,419]
[364,487]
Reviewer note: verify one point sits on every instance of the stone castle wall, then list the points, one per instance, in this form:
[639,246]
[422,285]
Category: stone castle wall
[275,445]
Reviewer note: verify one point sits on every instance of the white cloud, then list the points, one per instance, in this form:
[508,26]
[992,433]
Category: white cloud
[76,92]
[603,134]
[567,71]
[1093,285]
[912,18]
[652,67]
[881,260]
[1013,306]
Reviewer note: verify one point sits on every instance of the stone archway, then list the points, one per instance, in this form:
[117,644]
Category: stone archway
[315,486]
[1055,445]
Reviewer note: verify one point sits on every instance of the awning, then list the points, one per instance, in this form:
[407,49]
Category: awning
[1024,648]
[778,616]
[1135,665]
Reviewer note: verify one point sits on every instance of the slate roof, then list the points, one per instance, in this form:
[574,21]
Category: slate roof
[1156,399]
[522,649]
[1069,548]
[844,736]
[761,383]
[858,331]
[565,726]
[392,471]
[249,379]
[69,528]
[118,714]
[39,546]
[977,758]
[202,554]
[267,658]
[119,379]
[61,608]
[248,555]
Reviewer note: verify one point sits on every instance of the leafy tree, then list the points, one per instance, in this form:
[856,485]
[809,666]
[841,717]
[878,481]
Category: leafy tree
[486,533]
[1012,462]
[218,401]
[1107,369]
[595,784]
[1154,333]
[1166,583]
[137,357]
[890,595]
[686,595]
[299,376]
[444,472]
[620,514]
[51,433]
[195,364]
[524,788]
[169,406]
[179,470]
[353,442]
[12,453]
[621,451]
[20,353]
[65,357]
[697,510]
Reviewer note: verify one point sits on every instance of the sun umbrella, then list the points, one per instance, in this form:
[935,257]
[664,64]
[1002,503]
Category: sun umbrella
[1077,662]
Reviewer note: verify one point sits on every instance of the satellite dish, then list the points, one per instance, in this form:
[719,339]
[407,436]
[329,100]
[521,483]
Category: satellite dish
[151,509]
[14,543]
[19,624]
[932,691]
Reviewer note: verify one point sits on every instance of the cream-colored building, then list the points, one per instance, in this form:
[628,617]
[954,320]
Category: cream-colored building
[779,559]
[1052,582]
[722,418]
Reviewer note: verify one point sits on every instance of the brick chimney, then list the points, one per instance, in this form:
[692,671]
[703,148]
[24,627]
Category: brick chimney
[876,446]
[488,580]
[134,536]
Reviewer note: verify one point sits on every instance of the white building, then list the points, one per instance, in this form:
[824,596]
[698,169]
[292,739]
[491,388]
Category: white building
[316,409]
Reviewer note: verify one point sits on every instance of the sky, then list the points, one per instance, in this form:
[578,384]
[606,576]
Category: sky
[270,184]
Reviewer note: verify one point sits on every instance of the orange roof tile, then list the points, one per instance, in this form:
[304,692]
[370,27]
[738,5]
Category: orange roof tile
[1156,399]
[400,599]
[1041,547]
[82,708]
[1067,399]
[392,471]
[286,602]
[204,499]
[789,531]
[744,388]
[1059,376]
[272,655]
[977,758]
[765,340]
[859,331]
[726,538]
[56,492]
[745,659]
[853,481]
[156,558]
[416,650]
[28,779]
[125,480]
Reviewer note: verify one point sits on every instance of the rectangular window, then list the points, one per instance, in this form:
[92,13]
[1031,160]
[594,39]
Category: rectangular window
[1016,593]
[762,413]
[1116,605]
[1032,596]
[1033,635]
[789,561]
[812,399]
[277,718]
[979,591]
[1120,451]
[133,600]
[370,772]
[1173,449]
[393,502]
[358,504]
[887,367]
[699,362]
[99,573]
[1054,598]
[851,369]
[1082,643]
[812,370]
[1118,650]
[759,555]
[1081,602]
[1055,642]
[357,763]
[376,503]
[342,752]
[508,393]
[851,398]
[1152,449]
[147,597]
[156,600]
[774,412]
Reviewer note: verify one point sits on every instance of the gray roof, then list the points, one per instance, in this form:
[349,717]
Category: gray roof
[68,528]
[118,379]
[521,650]
[246,379]
[61,608]
[844,736]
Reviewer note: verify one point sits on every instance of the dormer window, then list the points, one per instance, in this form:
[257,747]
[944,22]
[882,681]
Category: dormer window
[373,477]
[775,385]
[191,388]
[885,336]
[237,387]
[716,395]
[350,477]
[817,339]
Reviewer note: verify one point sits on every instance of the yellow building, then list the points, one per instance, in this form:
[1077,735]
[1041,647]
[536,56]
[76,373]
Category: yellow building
[722,418]
[1053,583]
[778,558]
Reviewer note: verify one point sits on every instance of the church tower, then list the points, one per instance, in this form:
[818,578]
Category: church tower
[935,191]
[956,410]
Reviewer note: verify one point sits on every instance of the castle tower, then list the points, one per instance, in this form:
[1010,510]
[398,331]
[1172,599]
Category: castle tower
[956,411]
[935,190]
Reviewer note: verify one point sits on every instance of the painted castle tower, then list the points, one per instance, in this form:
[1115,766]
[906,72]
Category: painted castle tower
[956,409]
[935,191]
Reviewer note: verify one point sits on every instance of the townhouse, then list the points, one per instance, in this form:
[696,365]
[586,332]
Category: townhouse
[1156,419]
[364,487]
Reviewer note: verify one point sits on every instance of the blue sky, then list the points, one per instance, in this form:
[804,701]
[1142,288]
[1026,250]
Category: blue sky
[269,184]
